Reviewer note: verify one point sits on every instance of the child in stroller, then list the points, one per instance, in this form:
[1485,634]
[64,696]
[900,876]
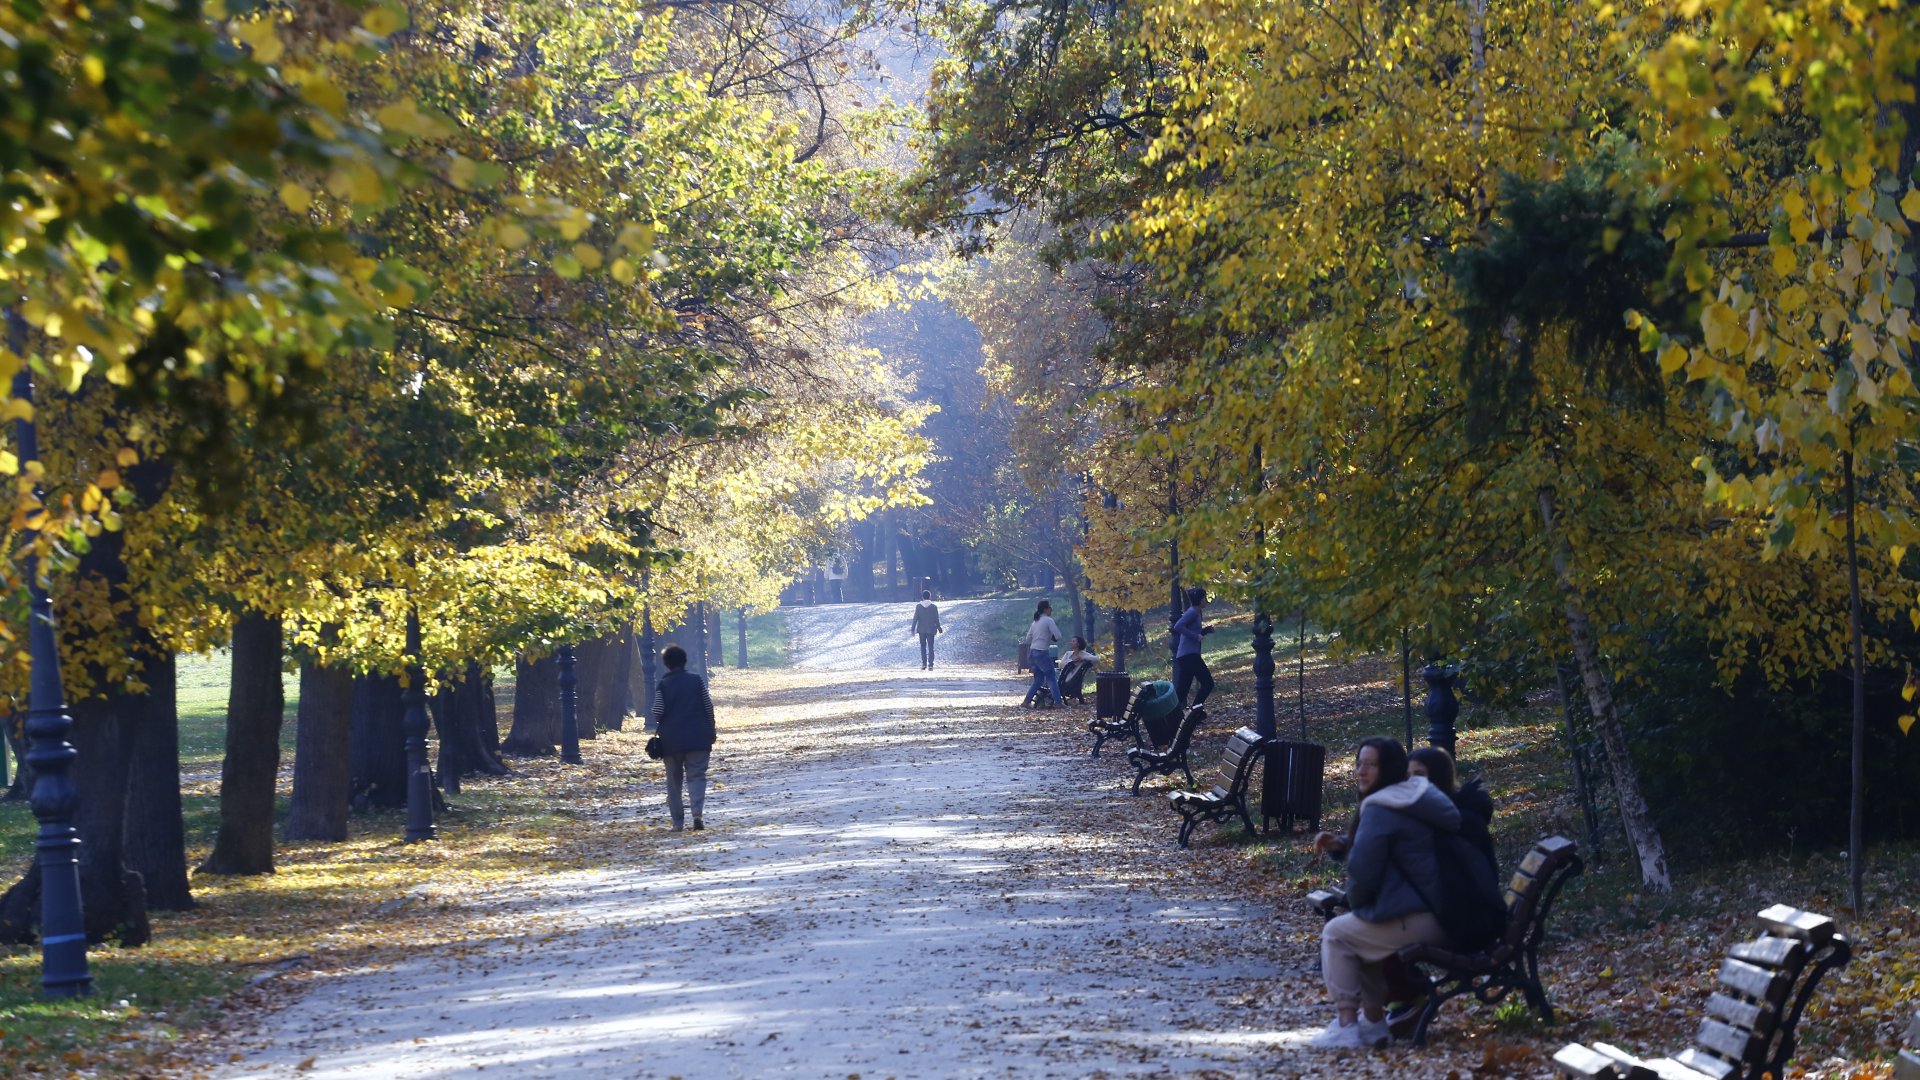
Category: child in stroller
[1074,668]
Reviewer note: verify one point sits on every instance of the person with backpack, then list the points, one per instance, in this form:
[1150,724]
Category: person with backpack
[926,623]
[1393,878]
[1470,798]
[683,715]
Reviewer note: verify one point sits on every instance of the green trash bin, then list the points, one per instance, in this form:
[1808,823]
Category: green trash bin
[1158,712]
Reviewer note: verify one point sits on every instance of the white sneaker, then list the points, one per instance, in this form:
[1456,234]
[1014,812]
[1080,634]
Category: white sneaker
[1359,1035]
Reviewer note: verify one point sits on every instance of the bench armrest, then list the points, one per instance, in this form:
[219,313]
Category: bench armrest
[1328,902]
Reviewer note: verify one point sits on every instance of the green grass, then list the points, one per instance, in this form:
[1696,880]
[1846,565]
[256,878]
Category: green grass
[161,1000]
[766,640]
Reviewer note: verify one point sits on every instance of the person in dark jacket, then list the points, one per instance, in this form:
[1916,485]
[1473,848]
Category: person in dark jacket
[1472,800]
[926,623]
[683,714]
[1392,868]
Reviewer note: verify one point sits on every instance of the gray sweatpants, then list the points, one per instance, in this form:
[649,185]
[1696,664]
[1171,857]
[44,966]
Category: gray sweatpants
[689,770]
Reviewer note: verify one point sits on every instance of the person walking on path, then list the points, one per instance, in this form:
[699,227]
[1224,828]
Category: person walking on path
[1188,666]
[926,623]
[683,713]
[1041,635]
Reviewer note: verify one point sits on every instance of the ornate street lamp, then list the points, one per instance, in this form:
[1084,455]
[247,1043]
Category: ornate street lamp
[55,799]
[1263,721]
[414,724]
[569,708]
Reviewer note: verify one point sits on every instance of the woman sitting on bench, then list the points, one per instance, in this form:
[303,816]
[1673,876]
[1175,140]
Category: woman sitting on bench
[1391,868]
[1074,668]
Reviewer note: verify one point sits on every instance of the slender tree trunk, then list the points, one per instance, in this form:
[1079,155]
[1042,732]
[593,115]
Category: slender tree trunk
[536,709]
[255,707]
[322,779]
[1634,814]
[154,834]
[440,708]
[716,639]
[22,772]
[1857,809]
[740,654]
[378,744]
[470,715]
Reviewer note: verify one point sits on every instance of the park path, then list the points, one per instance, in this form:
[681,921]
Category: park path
[896,881]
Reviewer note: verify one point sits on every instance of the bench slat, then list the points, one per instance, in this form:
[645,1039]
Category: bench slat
[1756,982]
[1767,951]
[1743,1014]
[1725,1040]
[1706,1063]
[1588,1064]
[1791,922]
[1533,862]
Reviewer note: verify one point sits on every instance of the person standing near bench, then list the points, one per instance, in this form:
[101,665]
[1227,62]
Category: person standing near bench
[1188,667]
[926,623]
[1392,867]
[683,714]
[1041,634]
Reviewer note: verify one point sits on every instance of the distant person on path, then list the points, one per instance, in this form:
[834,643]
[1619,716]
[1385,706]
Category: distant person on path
[1392,867]
[683,713]
[1188,666]
[1041,635]
[1074,668]
[926,623]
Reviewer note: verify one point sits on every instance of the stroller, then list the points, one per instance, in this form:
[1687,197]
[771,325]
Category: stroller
[1073,679]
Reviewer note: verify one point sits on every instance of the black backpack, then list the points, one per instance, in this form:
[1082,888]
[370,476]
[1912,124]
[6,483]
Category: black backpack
[1469,907]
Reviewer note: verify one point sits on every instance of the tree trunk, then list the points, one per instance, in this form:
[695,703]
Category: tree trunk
[22,772]
[154,832]
[1857,808]
[1634,814]
[378,752]
[445,723]
[471,710]
[602,682]
[536,709]
[860,565]
[322,778]
[716,639]
[114,897]
[256,705]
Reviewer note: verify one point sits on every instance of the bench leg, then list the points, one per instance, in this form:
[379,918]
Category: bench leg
[1432,1009]
[1246,818]
[1098,738]
[1186,828]
[1139,777]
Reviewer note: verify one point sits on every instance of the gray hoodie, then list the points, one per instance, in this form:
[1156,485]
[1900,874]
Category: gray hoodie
[1391,867]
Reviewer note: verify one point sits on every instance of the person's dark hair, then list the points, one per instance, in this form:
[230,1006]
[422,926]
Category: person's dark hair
[1045,608]
[1196,596]
[674,657]
[1391,758]
[1439,765]
[926,594]
[1079,643]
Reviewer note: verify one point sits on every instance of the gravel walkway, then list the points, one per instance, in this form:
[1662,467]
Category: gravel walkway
[896,881]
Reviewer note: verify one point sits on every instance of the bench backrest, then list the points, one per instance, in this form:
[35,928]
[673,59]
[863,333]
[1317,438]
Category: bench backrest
[1763,985]
[1531,889]
[1236,767]
[1183,736]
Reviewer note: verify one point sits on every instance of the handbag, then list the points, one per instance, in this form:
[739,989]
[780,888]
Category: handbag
[653,748]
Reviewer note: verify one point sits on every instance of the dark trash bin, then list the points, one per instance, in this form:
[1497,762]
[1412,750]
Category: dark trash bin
[1291,783]
[1110,692]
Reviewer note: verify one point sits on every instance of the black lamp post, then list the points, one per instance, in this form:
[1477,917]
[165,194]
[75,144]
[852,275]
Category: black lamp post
[414,723]
[569,708]
[55,800]
[1263,719]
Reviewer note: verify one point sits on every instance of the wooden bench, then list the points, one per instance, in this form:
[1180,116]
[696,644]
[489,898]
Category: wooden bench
[1147,762]
[1228,796]
[1513,961]
[1751,1019]
[1126,724]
